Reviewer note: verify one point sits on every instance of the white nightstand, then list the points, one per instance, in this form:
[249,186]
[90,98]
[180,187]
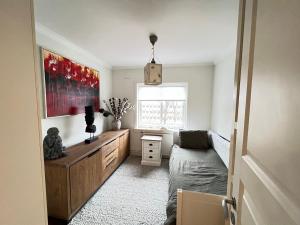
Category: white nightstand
[151,147]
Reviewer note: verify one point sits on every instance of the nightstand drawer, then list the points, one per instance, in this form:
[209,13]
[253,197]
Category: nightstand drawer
[151,157]
[154,148]
[151,151]
[151,144]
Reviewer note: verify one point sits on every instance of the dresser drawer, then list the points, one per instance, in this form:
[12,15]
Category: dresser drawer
[109,164]
[108,171]
[151,144]
[109,159]
[108,148]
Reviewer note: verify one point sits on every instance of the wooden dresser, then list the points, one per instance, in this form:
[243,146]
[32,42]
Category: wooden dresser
[73,179]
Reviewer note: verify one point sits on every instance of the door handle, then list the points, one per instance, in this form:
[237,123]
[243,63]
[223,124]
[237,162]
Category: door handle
[232,202]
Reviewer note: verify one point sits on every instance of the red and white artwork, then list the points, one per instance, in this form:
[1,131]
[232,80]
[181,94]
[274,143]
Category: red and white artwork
[69,86]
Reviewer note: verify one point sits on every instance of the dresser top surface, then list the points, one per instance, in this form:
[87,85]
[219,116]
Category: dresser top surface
[79,151]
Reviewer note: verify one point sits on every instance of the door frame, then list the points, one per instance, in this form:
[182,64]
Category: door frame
[236,96]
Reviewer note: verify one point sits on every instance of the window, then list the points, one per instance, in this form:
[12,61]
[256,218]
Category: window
[162,106]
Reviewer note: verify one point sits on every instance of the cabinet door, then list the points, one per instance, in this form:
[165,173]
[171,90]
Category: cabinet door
[85,178]
[121,155]
[123,147]
[79,181]
[95,170]
[57,191]
[126,144]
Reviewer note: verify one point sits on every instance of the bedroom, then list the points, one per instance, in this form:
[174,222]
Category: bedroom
[186,145]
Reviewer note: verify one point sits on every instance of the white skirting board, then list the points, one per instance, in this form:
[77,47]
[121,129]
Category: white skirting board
[149,163]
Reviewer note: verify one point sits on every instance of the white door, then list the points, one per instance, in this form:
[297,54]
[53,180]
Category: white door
[265,142]
[266,137]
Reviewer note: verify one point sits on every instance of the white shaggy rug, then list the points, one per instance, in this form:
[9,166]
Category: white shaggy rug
[133,195]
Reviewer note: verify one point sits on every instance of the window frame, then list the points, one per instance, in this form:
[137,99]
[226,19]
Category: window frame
[177,84]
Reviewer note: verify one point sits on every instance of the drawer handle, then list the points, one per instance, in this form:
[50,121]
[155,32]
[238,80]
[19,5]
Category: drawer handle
[150,157]
[150,144]
[109,154]
[93,153]
[110,163]
[150,150]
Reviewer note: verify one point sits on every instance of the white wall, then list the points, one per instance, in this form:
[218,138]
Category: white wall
[198,78]
[200,81]
[72,128]
[222,105]
[22,185]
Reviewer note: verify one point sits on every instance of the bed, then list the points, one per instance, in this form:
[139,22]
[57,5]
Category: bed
[197,170]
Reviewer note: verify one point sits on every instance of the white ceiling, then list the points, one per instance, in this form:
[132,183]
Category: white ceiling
[116,31]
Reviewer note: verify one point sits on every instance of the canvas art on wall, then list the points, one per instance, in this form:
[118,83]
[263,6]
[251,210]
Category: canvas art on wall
[69,86]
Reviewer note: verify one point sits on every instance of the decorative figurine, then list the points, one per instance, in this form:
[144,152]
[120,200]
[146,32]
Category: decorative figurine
[52,144]
[90,127]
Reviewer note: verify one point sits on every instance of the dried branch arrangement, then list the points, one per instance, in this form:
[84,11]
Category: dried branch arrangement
[116,107]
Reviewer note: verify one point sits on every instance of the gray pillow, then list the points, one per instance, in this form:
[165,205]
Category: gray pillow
[194,139]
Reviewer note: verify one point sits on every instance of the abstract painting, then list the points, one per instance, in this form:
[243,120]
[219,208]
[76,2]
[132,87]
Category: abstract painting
[69,86]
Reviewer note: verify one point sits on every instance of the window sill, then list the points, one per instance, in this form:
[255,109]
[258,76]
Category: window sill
[156,131]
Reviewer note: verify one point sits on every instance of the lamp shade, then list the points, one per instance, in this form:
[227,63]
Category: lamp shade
[153,74]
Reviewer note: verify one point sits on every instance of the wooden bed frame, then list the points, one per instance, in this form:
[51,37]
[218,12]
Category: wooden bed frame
[193,207]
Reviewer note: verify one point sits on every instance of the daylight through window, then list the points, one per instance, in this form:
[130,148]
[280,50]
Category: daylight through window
[162,106]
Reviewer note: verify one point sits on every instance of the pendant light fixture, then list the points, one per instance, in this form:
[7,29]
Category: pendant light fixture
[152,70]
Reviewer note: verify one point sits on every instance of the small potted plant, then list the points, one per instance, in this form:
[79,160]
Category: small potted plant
[116,107]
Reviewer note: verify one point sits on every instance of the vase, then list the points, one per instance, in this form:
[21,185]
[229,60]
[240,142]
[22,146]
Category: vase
[116,124]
